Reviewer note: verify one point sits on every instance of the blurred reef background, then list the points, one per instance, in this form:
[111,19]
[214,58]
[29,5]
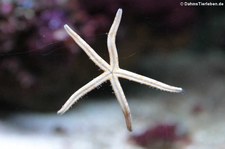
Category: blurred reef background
[41,66]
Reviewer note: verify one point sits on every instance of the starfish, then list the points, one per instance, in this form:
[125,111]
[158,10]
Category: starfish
[111,72]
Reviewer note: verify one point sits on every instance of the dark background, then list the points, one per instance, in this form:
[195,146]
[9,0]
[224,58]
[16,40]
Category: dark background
[41,66]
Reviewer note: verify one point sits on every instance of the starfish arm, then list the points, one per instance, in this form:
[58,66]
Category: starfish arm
[122,100]
[111,43]
[147,81]
[87,49]
[84,90]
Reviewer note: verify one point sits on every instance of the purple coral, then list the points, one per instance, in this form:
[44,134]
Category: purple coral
[161,135]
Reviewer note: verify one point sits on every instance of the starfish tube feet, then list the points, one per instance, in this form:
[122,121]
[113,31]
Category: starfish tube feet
[147,81]
[100,62]
[84,90]
[111,40]
[122,100]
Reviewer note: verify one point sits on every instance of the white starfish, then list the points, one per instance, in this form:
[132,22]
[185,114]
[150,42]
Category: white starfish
[111,72]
